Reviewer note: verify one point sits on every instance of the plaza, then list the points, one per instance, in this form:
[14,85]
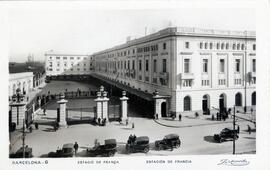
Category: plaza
[196,134]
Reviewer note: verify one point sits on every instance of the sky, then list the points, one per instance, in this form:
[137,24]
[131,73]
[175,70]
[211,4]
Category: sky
[85,31]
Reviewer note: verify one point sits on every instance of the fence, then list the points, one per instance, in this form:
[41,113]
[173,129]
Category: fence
[80,114]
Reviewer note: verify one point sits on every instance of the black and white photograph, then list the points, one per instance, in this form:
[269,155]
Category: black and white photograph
[91,82]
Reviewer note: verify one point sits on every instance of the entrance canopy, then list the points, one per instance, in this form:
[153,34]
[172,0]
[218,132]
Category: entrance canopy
[142,94]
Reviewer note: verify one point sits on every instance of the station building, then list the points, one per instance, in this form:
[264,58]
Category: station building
[192,69]
[67,64]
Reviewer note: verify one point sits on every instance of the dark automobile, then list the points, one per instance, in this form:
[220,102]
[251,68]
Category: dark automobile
[66,151]
[168,142]
[138,144]
[19,153]
[108,149]
[226,134]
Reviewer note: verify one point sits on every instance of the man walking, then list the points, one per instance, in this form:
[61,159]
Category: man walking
[76,146]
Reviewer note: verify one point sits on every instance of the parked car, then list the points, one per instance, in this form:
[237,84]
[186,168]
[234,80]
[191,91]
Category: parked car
[226,134]
[138,144]
[168,142]
[108,149]
[19,153]
[66,151]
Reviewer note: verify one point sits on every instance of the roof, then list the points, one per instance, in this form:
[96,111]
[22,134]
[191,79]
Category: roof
[110,141]
[183,31]
[68,145]
[169,136]
[15,76]
[142,138]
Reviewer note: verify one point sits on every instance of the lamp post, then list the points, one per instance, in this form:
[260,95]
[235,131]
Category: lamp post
[234,130]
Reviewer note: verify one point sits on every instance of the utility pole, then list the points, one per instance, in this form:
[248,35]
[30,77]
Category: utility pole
[234,130]
[246,75]
[23,140]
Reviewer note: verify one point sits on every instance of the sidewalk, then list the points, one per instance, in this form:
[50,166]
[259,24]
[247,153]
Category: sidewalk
[190,120]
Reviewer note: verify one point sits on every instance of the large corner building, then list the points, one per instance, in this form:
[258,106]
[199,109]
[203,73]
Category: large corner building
[192,69]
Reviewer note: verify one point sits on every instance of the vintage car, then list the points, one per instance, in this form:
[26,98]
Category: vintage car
[226,134]
[66,151]
[108,149]
[168,142]
[19,153]
[138,144]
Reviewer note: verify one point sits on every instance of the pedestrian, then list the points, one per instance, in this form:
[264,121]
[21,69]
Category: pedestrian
[238,129]
[223,117]
[126,122]
[196,114]
[36,125]
[213,117]
[249,129]
[76,146]
[180,117]
[99,121]
[44,111]
[133,125]
[217,116]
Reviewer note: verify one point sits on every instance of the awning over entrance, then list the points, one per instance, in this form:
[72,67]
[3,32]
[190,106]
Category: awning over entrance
[142,94]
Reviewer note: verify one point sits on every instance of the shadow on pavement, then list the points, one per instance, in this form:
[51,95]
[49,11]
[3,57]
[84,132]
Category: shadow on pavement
[249,137]
[44,156]
[49,130]
[210,139]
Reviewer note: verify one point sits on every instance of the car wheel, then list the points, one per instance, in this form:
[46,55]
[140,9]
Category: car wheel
[110,154]
[177,145]
[146,150]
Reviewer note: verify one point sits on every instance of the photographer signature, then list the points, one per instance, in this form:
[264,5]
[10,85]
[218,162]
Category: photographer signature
[228,162]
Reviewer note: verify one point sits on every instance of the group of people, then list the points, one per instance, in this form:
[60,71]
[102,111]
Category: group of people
[100,121]
[131,139]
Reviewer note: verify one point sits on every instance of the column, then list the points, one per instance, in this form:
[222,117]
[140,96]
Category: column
[124,100]
[157,103]
[62,106]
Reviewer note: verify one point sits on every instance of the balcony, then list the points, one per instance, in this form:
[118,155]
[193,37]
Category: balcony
[186,76]
[164,75]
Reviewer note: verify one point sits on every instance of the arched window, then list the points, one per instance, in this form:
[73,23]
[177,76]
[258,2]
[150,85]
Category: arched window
[242,47]
[227,46]
[201,45]
[187,103]
[222,46]
[218,45]
[205,45]
[238,99]
[253,99]
[234,46]
[238,46]
[211,45]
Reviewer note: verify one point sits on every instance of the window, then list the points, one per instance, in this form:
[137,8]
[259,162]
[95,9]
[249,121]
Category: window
[58,64]
[234,46]
[50,64]
[227,46]
[58,58]
[238,47]
[201,45]
[78,69]
[64,58]
[146,65]
[71,58]
[78,58]
[133,64]
[205,45]
[128,64]
[78,64]
[237,65]
[140,65]
[205,82]
[84,64]
[65,64]
[242,47]
[72,64]
[205,65]
[222,46]
[164,46]
[187,83]
[186,65]
[254,47]
[237,81]
[218,45]
[164,65]
[253,65]
[221,82]
[221,65]
[155,66]
[187,45]
[211,45]
[187,103]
